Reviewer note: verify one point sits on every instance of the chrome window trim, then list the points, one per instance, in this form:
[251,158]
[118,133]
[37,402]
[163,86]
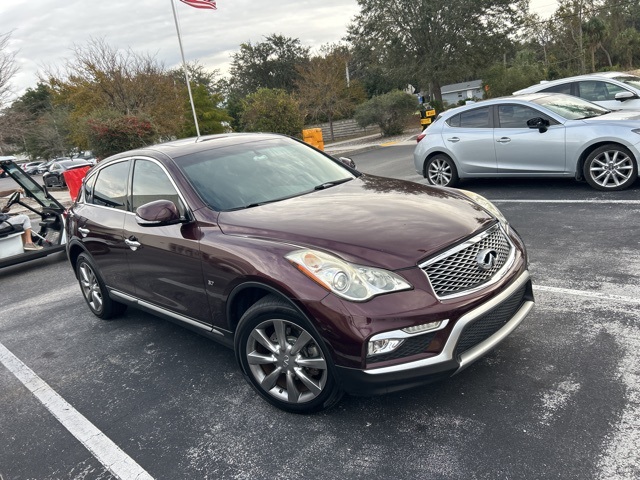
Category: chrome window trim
[472,241]
[471,355]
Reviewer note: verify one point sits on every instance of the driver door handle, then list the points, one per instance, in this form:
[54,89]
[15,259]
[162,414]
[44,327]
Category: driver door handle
[84,231]
[133,243]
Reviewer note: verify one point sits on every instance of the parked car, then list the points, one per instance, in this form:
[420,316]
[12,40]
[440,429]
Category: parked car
[612,90]
[322,279]
[48,232]
[54,177]
[42,169]
[535,135]
[31,168]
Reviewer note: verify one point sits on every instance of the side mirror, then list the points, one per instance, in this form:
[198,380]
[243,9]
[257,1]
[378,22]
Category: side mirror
[157,213]
[622,96]
[539,123]
[348,162]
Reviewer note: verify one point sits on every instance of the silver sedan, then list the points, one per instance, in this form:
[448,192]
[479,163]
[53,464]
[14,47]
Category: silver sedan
[541,135]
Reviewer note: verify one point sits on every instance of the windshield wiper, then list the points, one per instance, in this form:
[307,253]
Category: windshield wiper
[322,186]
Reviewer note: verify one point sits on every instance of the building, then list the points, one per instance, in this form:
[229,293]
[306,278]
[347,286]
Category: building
[453,93]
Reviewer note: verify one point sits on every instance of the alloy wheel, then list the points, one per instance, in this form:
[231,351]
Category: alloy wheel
[286,361]
[90,287]
[611,168]
[440,172]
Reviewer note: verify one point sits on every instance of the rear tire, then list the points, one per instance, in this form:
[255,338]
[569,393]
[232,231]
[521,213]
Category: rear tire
[441,171]
[94,290]
[610,168]
[284,359]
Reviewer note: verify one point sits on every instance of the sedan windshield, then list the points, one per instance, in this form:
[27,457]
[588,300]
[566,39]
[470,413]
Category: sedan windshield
[571,108]
[255,172]
[630,80]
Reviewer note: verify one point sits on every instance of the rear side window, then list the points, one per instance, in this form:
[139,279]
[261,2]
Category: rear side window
[454,121]
[110,189]
[597,91]
[476,118]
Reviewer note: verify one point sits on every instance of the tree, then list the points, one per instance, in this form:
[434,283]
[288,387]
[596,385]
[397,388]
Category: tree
[211,118]
[390,112]
[111,133]
[269,64]
[8,67]
[500,80]
[323,88]
[430,42]
[272,110]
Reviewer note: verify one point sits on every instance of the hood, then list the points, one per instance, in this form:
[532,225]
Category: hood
[370,220]
[617,115]
[31,188]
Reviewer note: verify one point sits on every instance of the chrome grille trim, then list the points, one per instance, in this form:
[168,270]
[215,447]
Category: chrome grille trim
[455,273]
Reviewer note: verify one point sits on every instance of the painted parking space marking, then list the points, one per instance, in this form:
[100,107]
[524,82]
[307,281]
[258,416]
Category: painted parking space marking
[101,447]
[589,294]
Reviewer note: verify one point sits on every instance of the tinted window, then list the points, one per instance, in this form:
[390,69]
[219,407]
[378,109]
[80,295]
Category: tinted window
[255,172]
[597,91]
[516,116]
[150,183]
[87,188]
[111,186]
[476,118]
[454,121]
[562,88]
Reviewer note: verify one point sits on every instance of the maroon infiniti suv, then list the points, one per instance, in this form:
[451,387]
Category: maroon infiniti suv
[322,279]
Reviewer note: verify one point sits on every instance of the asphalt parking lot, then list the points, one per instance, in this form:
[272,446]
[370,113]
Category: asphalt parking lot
[139,397]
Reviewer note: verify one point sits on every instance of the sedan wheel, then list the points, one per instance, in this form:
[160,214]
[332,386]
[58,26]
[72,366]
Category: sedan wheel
[94,290]
[282,358]
[440,170]
[610,167]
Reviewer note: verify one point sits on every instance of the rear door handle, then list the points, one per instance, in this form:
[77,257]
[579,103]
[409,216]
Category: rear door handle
[84,231]
[503,140]
[453,139]
[133,243]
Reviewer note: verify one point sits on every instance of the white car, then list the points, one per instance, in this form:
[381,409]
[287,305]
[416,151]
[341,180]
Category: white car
[612,90]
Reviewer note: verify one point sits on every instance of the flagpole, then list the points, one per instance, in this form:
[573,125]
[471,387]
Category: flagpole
[184,66]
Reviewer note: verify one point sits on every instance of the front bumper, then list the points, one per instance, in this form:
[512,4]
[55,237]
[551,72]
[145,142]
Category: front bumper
[473,335]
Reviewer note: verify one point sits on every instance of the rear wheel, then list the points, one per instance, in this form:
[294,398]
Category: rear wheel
[94,290]
[440,170]
[283,359]
[610,167]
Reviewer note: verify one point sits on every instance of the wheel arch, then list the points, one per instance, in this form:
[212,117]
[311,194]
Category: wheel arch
[74,249]
[433,154]
[587,151]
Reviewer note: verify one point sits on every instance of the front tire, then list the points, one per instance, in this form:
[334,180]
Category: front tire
[94,290]
[441,171]
[610,167]
[283,358]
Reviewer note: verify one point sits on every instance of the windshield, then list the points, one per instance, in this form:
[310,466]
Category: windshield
[255,172]
[571,108]
[30,187]
[630,80]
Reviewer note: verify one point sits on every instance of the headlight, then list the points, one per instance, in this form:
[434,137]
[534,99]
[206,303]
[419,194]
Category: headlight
[488,206]
[353,282]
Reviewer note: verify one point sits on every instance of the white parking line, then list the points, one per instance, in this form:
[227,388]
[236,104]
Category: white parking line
[102,448]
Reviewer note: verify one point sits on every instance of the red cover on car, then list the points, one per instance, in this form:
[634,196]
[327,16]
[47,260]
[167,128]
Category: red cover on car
[73,179]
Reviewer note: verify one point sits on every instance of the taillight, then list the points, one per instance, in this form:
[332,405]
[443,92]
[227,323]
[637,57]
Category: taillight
[420,137]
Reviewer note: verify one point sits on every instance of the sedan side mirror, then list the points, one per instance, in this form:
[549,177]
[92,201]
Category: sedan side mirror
[158,213]
[348,162]
[539,123]
[622,96]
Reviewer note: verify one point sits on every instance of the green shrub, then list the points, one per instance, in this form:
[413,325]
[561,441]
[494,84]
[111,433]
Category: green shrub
[272,110]
[391,112]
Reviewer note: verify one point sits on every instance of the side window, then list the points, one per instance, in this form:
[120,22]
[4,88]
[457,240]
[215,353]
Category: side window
[597,91]
[454,121]
[110,189]
[516,116]
[562,88]
[150,183]
[476,118]
[87,189]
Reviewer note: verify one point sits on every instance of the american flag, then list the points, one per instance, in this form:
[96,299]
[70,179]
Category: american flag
[201,3]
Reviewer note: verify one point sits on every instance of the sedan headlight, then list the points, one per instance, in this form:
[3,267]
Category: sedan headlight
[489,207]
[353,282]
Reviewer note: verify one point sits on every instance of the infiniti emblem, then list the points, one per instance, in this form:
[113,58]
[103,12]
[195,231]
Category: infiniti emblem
[285,360]
[486,259]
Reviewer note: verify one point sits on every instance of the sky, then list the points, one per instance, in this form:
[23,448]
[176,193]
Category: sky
[43,32]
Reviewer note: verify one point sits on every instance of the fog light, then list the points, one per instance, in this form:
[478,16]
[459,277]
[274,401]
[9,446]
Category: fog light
[378,347]
[425,327]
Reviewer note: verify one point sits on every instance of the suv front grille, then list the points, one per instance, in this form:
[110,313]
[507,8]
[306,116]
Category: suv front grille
[458,269]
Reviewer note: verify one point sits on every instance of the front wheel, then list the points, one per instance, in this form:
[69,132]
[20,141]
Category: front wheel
[610,167]
[440,170]
[283,359]
[94,290]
